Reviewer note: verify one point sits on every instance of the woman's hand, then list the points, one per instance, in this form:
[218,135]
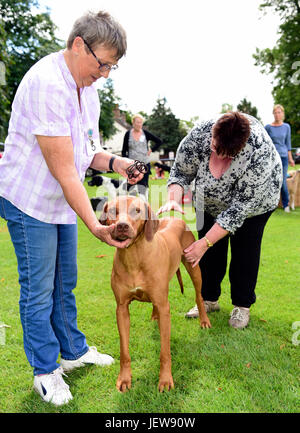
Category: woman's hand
[121,164]
[104,233]
[170,205]
[291,162]
[196,251]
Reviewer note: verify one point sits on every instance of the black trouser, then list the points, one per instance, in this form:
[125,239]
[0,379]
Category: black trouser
[245,247]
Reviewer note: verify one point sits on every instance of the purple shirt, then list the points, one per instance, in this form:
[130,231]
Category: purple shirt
[46,103]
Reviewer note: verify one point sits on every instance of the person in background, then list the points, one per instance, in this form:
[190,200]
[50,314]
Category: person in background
[238,177]
[280,133]
[53,138]
[136,146]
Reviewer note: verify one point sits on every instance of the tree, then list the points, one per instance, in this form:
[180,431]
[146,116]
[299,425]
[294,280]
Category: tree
[27,37]
[108,101]
[246,107]
[283,61]
[4,70]
[226,107]
[163,123]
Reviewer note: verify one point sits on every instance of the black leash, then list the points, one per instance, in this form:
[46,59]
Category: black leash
[137,165]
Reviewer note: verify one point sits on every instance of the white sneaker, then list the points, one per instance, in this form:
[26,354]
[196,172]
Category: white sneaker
[90,357]
[209,306]
[52,388]
[287,209]
[240,317]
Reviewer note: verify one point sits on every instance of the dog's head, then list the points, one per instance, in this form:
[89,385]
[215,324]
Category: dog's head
[98,203]
[132,216]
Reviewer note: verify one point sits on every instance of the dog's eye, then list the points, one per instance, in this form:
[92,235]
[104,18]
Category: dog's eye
[135,211]
[112,213]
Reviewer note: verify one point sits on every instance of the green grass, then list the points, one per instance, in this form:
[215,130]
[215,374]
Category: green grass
[217,370]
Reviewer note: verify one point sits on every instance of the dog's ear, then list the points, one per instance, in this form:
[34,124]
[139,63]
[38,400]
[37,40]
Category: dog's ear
[151,225]
[103,217]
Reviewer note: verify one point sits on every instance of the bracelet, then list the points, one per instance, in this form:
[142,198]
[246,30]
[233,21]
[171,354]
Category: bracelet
[209,244]
[111,161]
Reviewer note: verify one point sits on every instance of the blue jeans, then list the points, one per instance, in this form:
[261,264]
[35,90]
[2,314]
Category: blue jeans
[284,188]
[47,266]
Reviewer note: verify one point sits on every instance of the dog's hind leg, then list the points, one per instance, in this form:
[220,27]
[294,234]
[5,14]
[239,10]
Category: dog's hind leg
[195,274]
[196,278]
[292,201]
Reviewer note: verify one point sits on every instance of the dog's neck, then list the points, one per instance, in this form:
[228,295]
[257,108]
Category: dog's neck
[137,239]
[135,252]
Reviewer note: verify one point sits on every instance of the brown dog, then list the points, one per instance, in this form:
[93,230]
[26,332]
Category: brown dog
[142,271]
[292,184]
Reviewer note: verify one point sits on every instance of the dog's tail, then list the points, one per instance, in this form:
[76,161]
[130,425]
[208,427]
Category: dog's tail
[179,279]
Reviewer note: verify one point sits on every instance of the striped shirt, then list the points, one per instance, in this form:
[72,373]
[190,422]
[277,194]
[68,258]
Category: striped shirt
[46,103]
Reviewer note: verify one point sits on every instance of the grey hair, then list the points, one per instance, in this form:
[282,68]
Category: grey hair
[99,29]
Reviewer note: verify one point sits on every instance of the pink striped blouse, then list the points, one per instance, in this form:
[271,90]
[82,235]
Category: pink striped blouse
[46,103]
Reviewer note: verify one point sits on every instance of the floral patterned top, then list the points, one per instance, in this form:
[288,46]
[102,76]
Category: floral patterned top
[250,186]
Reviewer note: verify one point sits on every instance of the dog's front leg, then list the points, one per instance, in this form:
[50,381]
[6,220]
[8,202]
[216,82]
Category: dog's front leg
[123,320]
[164,322]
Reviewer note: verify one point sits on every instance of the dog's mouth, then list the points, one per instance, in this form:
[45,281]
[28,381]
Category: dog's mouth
[121,238]
[122,233]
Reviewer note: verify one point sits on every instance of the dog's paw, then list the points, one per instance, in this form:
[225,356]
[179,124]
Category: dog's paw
[205,323]
[165,384]
[123,383]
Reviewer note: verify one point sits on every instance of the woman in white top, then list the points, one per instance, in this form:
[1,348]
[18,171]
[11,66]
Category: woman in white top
[53,138]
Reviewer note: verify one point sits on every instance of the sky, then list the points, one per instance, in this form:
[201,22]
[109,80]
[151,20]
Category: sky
[195,53]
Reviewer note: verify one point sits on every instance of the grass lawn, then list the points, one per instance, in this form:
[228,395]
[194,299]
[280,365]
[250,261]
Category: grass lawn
[217,370]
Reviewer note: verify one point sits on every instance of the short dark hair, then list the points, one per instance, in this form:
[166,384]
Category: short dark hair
[231,133]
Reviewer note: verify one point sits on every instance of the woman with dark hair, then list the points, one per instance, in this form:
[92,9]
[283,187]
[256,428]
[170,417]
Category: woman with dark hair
[238,177]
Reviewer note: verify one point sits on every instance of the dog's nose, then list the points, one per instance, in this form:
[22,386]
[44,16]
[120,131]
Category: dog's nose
[122,227]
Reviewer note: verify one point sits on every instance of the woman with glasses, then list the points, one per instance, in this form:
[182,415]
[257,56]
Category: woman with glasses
[238,177]
[53,138]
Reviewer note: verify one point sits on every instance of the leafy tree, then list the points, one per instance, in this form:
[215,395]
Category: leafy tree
[246,107]
[226,107]
[283,61]
[108,101]
[29,35]
[4,71]
[163,123]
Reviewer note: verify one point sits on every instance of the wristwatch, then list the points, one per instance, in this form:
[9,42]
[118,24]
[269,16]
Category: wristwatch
[209,244]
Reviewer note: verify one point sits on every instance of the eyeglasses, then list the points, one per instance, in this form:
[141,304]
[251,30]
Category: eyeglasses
[102,66]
